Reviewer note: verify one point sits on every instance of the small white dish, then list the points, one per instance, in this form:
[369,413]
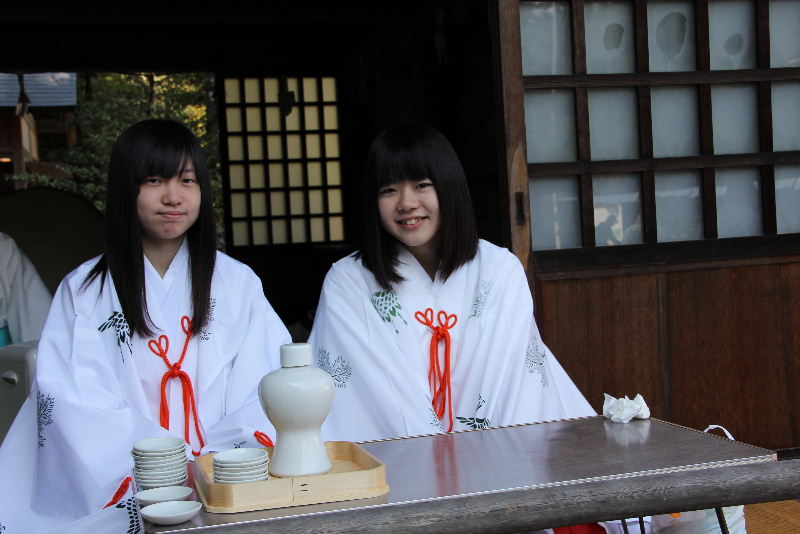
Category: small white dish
[170,512]
[164,445]
[163,494]
[156,456]
[247,469]
[258,478]
[242,457]
[159,478]
[239,476]
[161,464]
[151,485]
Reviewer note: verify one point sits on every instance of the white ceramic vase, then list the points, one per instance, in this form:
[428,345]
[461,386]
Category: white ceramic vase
[297,398]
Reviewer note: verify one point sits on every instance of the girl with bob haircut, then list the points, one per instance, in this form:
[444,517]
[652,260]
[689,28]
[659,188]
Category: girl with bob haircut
[427,328]
[160,336]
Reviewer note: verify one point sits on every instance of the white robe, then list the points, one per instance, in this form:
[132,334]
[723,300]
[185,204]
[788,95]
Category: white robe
[378,353]
[24,299]
[97,392]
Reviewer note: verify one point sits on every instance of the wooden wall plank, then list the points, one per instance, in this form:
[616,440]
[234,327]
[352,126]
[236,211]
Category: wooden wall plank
[605,333]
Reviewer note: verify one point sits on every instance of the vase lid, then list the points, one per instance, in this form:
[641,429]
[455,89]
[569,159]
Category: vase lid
[295,354]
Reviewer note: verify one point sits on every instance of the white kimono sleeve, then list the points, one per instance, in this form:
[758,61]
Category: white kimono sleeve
[24,299]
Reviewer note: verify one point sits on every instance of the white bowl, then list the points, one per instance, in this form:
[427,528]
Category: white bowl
[151,485]
[226,480]
[163,494]
[159,464]
[170,512]
[155,456]
[165,445]
[235,470]
[159,476]
[161,468]
[243,457]
[239,476]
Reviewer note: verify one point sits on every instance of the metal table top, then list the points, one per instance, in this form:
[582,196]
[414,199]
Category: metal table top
[536,476]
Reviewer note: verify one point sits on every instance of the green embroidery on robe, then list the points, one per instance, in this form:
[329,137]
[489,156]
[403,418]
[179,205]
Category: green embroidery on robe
[476,422]
[388,307]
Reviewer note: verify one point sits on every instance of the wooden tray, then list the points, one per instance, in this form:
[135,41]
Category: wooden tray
[356,474]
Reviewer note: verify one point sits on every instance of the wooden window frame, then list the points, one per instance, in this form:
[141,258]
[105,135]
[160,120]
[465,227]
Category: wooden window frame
[511,94]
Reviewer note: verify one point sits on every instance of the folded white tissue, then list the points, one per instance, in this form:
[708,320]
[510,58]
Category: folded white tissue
[624,409]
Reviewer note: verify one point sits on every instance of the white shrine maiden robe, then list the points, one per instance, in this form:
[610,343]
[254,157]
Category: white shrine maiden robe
[24,299]
[98,391]
[378,353]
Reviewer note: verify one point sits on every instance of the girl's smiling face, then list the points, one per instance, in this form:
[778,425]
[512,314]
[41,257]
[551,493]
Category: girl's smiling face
[409,211]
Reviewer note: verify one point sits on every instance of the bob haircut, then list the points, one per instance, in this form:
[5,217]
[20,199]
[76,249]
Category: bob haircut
[153,147]
[411,152]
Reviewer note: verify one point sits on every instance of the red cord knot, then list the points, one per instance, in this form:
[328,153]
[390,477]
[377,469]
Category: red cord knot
[439,377]
[161,349]
[263,439]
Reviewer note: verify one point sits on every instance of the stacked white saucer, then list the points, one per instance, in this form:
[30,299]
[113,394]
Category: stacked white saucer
[159,462]
[235,466]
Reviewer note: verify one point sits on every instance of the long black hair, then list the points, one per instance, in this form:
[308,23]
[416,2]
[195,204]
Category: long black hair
[153,147]
[414,151]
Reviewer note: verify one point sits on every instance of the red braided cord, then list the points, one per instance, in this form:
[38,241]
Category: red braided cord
[440,379]
[160,348]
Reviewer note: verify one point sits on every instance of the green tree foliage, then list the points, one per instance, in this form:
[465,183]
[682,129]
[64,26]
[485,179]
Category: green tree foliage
[110,102]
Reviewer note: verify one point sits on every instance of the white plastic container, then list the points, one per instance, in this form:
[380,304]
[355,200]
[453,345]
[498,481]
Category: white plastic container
[297,398]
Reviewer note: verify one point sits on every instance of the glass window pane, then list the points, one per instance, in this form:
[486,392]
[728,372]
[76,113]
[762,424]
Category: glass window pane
[293,147]
[299,231]
[329,89]
[555,212]
[670,36]
[786,116]
[675,126]
[337,228]
[312,118]
[679,209]
[334,173]
[280,232]
[784,37]
[260,236]
[271,89]
[275,147]
[309,89]
[234,119]
[609,36]
[237,176]
[253,119]
[617,209]
[738,202]
[293,119]
[787,198]
[258,204]
[317,229]
[252,92]
[332,145]
[273,119]
[276,175]
[235,147]
[255,147]
[257,176]
[240,237]
[231,90]
[550,125]
[314,170]
[335,201]
[312,146]
[277,203]
[315,204]
[295,175]
[732,34]
[734,118]
[613,127]
[297,203]
[546,36]
[331,117]
[239,205]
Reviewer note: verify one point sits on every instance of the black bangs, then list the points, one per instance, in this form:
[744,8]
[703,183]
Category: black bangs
[401,154]
[163,151]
